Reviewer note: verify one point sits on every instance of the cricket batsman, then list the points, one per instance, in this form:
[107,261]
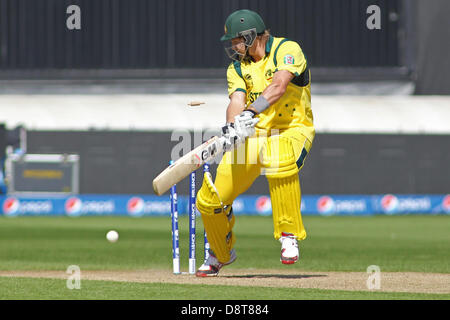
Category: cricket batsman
[269,130]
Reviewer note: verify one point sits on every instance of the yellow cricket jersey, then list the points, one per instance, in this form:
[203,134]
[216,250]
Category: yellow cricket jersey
[293,109]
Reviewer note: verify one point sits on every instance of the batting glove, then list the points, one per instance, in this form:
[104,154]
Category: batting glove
[231,136]
[244,124]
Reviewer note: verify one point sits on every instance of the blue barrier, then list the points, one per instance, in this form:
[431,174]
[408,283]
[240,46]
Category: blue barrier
[149,205]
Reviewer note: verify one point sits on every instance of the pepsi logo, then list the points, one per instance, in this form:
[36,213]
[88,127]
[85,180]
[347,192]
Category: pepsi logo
[446,203]
[135,206]
[11,206]
[73,206]
[389,203]
[263,204]
[325,205]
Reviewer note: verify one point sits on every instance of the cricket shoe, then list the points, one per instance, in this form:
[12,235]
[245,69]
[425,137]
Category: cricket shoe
[211,267]
[289,248]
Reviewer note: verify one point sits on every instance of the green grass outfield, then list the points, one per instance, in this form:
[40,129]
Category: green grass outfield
[395,243]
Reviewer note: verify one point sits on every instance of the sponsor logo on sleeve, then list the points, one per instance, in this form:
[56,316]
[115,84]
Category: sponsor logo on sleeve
[288,59]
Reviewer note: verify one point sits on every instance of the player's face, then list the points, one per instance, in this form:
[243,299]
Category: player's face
[236,48]
[238,45]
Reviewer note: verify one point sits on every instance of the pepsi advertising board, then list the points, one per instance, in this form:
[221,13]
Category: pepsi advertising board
[149,205]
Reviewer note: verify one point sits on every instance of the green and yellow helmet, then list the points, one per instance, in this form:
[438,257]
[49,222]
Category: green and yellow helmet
[245,24]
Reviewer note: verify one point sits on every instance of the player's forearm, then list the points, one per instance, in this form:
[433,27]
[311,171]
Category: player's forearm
[273,92]
[236,106]
[233,110]
[269,96]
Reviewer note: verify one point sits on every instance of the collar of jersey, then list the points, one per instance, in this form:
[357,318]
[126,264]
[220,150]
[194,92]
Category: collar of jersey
[268,48]
[269,44]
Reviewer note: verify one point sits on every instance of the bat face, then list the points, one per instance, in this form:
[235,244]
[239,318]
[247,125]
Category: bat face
[209,150]
[187,164]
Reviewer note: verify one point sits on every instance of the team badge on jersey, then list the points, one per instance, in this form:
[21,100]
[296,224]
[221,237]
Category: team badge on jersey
[248,81]
[288,59]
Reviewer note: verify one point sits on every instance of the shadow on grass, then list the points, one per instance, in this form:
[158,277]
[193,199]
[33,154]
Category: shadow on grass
[280,276]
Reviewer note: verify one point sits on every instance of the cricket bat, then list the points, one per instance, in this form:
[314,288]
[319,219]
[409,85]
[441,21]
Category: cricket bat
[190,162]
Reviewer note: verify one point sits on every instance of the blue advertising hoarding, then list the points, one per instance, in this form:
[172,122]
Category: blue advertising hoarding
[149,205]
